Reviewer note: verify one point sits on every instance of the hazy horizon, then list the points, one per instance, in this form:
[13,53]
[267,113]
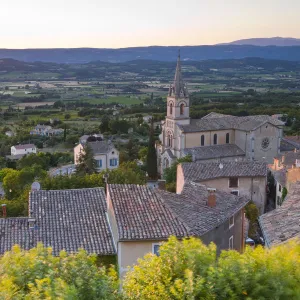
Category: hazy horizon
[37,24]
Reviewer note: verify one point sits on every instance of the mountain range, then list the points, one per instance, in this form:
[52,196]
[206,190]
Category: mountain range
[274,41]
[235,50]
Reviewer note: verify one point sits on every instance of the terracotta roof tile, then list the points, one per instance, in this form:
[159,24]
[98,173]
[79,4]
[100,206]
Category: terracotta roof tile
[283,223]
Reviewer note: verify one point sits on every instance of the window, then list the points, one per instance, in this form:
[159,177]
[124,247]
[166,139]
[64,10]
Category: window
[227,138]
[236,193]
[169,140]
[279,187]
[265,143]
[99,163]
[215,139]
[231,242]
[171,108]
[231,222]
[113,162]
[155,249]
[181,109]
[202,140]
[233,182]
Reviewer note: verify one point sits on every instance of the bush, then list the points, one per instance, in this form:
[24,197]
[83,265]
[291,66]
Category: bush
[190,270]
[37,274]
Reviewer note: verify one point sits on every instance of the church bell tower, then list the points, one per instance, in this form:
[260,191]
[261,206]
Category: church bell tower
[178,102]
[178,111]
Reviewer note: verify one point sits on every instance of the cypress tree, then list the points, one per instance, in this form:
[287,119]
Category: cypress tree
[87,163]
[151,155]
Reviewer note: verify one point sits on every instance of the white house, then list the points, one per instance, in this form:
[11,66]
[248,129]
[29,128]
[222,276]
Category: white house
[22,149]
[105,154]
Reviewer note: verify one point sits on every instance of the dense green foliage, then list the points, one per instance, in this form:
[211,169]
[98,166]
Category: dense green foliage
[191,270]
[127,173]
[184,269]
[252,214]
[37,274]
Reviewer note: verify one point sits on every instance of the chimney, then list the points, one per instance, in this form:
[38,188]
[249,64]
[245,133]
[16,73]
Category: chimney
[31,223]
[211,200]
[161,184]
[4,215]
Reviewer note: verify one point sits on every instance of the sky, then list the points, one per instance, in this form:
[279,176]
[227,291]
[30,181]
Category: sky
[126,23]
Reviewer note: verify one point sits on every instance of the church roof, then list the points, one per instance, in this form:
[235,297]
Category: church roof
[214,121]
[178,88]
[215,151]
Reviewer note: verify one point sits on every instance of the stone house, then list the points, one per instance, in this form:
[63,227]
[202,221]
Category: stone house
[141,218]
[105,154]
[252,137]
[283,223]
[246,178]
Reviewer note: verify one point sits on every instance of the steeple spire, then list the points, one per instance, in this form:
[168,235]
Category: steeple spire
[178,89]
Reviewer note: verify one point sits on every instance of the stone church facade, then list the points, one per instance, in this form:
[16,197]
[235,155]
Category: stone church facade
[215,137]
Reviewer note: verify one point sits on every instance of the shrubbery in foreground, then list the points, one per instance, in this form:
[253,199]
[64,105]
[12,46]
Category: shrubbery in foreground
[190,270]
[37,274]
[184,270]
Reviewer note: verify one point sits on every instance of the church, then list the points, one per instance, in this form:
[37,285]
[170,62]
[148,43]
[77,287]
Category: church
[215,137]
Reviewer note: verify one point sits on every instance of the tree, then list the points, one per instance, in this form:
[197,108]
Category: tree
[188,269]
[151,155]
[37,274]
[104,126]
[143,153]
[87,163]
[131,150]
[67,116]
[252,214]
[170,174]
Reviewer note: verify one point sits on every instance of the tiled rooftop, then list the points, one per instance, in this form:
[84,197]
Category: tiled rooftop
[198,172]
[25,146]
[15,231]
[72,219]
[283,223]
[214,121]
[141,214]
[100,147]
[144,213]
[191,207]
[215,151]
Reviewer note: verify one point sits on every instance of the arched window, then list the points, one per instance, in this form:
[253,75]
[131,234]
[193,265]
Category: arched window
[169,140]
[181,109]
[215,139]
[227,138]
[202,140]
[171,108]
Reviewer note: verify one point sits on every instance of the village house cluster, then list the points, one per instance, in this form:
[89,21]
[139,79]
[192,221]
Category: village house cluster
[231,157]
